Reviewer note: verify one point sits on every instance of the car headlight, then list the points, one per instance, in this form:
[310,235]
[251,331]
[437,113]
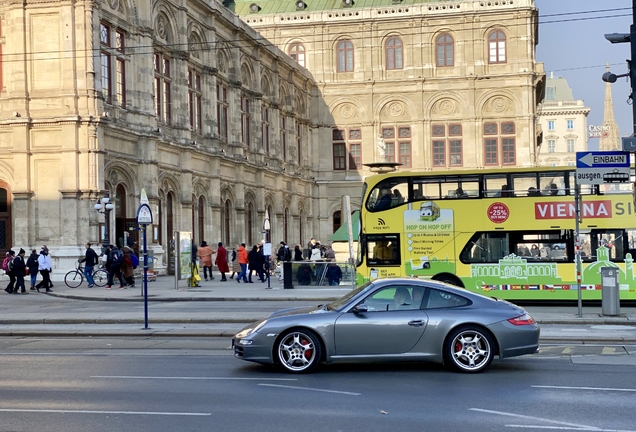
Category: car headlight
[248,331]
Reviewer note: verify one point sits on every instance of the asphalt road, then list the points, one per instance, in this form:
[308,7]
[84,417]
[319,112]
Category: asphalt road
[145,384]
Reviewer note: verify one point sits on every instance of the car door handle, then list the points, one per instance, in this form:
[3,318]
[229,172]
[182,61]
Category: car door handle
[416,323]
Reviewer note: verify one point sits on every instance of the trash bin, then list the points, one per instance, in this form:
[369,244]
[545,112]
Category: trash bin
[610,294]
[287,275]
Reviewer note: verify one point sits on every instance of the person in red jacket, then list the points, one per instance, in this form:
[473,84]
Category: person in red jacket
[221,261]
[243,260]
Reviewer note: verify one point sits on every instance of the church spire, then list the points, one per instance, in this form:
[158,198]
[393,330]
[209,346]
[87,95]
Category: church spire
[611,138]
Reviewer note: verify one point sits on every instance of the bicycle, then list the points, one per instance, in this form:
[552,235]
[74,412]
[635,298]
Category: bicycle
[75,278]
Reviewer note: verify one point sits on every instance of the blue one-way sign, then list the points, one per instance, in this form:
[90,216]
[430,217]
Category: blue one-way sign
[602,159]
[596,167]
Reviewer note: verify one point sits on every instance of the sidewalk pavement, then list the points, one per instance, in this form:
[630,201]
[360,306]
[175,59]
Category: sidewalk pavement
[558,323]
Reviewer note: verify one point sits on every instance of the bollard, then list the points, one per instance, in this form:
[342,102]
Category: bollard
[610,295]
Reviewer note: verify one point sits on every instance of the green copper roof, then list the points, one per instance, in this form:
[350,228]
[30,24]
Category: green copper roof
[267,7]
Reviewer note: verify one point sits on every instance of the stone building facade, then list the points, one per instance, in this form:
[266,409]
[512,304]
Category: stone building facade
[563,120]
[179,97]
[434,85]
[223,117]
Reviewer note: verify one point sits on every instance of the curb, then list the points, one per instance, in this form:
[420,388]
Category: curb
[191,299]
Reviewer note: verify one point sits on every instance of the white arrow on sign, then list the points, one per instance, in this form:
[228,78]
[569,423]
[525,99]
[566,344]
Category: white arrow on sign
[588,159]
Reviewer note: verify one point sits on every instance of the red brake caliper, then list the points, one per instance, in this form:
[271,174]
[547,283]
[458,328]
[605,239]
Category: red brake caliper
[305,342]
[458,346]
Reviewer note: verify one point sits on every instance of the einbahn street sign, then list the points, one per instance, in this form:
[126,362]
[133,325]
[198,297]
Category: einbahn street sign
[599,167]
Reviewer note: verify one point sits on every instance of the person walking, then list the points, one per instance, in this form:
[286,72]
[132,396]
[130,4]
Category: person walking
[283,254]
[236,267]
[261,263]
[90,259]
[19,270]
[44,265]
[205,254]
[243,260]
[127,269]
[221,261]
[32,264]
[254,259]
[7,266]
[113,263]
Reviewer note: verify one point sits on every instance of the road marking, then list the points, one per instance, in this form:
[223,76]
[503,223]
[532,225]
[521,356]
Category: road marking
[585,388]
[104,412]
[310,389]
[507,414]
[567,351]
[609,350]
[191,378]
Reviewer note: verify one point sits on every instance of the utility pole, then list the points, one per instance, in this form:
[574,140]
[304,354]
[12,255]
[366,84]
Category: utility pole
[629,143]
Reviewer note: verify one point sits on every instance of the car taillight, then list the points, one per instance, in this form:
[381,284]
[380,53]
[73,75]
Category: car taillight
[524,319]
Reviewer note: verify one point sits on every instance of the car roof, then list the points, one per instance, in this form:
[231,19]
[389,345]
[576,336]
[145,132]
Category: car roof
[431,284]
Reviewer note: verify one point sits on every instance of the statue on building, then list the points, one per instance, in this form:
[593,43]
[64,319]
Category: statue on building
[381,150]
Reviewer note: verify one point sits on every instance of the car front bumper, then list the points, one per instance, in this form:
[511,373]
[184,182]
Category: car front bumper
[255,348]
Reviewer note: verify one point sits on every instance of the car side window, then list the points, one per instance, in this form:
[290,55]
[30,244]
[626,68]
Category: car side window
[394,298]
[438,299]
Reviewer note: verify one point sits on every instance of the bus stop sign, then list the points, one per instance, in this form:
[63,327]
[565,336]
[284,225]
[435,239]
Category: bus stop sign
[599,167]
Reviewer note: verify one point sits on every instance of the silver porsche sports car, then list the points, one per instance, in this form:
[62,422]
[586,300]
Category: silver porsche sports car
[393,319]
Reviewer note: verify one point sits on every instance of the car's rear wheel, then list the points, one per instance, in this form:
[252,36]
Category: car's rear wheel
[298,351]
[469,349]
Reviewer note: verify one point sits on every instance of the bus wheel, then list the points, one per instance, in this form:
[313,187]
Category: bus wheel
[449,279]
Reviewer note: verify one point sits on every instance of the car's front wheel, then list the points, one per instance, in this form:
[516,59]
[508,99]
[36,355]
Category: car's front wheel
[469,349]
[298,351]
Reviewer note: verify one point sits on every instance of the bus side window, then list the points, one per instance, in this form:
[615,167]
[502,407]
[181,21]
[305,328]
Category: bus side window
[486,247]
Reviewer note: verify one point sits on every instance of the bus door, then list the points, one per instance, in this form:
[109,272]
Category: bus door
[617,242]
[383,255]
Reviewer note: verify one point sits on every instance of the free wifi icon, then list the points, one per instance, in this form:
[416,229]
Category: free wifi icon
[381,221]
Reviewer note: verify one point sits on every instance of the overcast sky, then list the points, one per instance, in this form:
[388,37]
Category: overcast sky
[577,51]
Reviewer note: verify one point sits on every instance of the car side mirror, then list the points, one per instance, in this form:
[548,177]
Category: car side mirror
[361,308]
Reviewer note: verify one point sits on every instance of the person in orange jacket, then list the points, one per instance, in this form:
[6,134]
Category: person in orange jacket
[243,260]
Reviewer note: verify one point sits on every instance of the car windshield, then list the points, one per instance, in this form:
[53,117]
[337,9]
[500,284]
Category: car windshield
[345,299]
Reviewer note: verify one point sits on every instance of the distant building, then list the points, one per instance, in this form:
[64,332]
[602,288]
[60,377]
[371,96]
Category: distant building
[610,138]
[563,121]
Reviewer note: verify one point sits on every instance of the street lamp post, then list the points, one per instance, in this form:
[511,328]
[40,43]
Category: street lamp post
[104,206]
[267,246]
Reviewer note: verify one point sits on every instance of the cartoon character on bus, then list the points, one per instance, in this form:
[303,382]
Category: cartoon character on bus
[429,211]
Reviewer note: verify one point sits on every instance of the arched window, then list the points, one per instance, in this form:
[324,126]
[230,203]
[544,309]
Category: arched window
[226,222]
[250,224]
[285,222]
[300,228]
[169,216]
[496,47]
[444,47]
[394,53]
[195,238]
[345,56]
[297,52]
[271,223]
[201,219]
[120,201]
[337,220]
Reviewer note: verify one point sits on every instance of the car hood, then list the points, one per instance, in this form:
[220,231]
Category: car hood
[298,311]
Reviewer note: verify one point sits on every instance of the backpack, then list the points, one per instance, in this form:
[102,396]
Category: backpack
[118,257]
[135,260]
[5,263]
[288,254]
